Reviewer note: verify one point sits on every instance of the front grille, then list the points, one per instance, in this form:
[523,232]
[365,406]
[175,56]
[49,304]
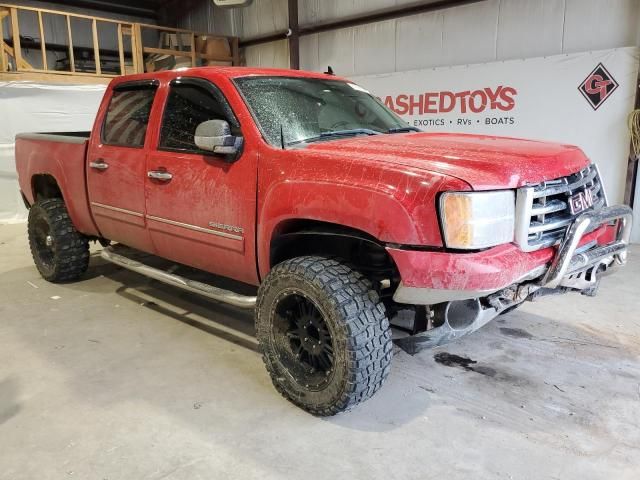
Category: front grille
[543,210]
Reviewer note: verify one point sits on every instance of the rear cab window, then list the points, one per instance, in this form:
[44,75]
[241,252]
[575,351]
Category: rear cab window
[127,117]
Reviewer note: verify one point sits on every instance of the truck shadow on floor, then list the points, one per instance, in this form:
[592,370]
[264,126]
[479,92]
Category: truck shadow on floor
[229,323]
[226,323]
[9,404]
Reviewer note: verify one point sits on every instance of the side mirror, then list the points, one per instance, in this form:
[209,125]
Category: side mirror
[215,136]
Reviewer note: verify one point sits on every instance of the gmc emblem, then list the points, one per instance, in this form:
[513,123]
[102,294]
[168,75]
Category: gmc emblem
[580,201]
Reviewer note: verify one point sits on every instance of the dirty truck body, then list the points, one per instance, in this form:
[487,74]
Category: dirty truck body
[306,186]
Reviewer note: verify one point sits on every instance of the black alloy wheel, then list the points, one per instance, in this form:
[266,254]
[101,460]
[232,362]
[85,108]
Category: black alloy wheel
[303,339]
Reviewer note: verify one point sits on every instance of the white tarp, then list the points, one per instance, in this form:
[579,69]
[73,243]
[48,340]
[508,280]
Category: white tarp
[34,107]
[537,98]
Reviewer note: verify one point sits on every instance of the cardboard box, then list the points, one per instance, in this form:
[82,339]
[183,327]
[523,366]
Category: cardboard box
[217,47]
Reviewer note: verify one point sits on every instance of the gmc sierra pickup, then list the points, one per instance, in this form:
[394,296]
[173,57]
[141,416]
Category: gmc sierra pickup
[345,218]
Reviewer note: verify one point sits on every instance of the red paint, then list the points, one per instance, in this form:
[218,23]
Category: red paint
[491,269]
[66,163]
[384,185]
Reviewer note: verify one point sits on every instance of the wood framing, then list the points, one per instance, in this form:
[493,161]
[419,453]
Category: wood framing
[96,46]
[102,65]
[47,77]
[121,50]
[15,35]
[43,46]
[3,55]
[72,63]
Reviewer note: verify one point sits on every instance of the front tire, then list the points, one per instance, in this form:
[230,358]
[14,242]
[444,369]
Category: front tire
[324,334]
[59,251]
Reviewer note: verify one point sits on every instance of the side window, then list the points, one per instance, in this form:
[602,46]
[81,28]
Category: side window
[128,116]
[191,102]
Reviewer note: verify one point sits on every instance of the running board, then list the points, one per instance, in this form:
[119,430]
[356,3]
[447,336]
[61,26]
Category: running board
[200,288]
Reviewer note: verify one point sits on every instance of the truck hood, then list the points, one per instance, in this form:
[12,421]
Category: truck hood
[484,162]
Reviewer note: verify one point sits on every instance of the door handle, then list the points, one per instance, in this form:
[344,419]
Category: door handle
[159,175]
[99,165]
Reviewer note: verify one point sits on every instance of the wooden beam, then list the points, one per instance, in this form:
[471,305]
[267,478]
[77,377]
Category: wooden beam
[96,47]
[72,61]
[77,74]
[51,77]
[3,56]
[121,50]
[184,53]
[59,12]
[138,54]
[17,50]
[43,47]
[166,51]
[175,30]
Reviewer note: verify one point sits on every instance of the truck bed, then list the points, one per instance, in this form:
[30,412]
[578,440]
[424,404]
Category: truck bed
[61,156]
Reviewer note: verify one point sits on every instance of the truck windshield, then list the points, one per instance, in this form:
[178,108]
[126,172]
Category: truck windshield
[302,110]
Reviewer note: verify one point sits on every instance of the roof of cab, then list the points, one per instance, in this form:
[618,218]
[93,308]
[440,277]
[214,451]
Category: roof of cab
[230,72]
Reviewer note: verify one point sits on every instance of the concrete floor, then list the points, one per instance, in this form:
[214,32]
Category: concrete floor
[119,377]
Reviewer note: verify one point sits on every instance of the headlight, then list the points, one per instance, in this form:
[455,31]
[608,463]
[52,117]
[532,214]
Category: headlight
[473,220]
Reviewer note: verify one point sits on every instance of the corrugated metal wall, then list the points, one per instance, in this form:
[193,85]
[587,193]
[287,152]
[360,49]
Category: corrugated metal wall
[206,17]
[484,32]
[487,31]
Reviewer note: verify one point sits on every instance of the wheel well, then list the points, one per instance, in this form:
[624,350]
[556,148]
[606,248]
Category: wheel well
[44,187]
[296,238]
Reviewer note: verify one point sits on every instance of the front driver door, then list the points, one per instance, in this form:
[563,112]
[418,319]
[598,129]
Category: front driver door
[201,206]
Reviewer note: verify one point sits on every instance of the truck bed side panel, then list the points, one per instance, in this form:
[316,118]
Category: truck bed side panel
[64,158]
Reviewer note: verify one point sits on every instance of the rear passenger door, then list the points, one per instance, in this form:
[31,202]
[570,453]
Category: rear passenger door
[116,168]
[203,212]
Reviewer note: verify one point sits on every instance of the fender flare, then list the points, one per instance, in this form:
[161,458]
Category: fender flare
[374,212]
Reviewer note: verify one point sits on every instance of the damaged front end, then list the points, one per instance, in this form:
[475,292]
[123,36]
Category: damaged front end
[589,245]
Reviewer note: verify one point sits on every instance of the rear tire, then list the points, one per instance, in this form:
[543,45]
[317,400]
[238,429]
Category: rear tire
[324,334]
[59,251]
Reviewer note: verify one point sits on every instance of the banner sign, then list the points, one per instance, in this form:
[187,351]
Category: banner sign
[580,99]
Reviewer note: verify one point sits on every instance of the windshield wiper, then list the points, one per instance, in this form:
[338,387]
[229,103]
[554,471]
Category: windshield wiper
[403,129]
[337,133]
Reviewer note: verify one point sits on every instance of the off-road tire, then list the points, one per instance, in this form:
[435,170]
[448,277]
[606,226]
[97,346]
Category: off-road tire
[356,317]
[67,256]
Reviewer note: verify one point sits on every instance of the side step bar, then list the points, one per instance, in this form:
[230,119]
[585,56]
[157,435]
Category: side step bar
[203,289]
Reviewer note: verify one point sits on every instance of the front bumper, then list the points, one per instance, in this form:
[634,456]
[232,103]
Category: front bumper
[429,278]
[469,290]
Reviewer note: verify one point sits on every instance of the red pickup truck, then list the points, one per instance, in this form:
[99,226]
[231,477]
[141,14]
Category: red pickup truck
[345,218]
